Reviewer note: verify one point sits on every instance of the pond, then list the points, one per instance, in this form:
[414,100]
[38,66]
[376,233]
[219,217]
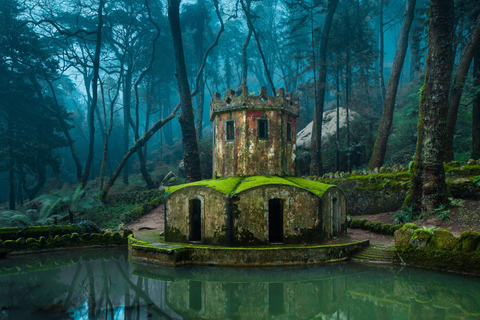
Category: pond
[103,285]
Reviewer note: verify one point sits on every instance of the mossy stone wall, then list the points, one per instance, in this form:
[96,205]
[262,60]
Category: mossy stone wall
[438,249]
[300,215]
[249,155]
[213,215]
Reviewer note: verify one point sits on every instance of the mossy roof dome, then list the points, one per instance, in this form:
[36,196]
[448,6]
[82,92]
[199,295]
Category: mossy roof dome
[235,185]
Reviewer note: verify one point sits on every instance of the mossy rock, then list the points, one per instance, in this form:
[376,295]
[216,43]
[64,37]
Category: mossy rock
[116,238]
[387,229]
[86,237]
[443,239]
[362,223]
[75,237]
[411,226]
[421,237]
[354,224]
[468,241]
[106,237]
[96,238]
[43,241]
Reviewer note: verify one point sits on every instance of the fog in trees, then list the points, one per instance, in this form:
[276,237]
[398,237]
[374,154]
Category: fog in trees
[106,97]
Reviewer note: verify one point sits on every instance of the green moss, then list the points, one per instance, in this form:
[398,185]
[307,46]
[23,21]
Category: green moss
[411,226]
[468,241]
[224,185]
[443,239]
[235,185]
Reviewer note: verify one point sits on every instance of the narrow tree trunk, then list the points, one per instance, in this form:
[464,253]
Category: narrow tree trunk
[191,156]
[381,53]
[428,189]
[127,99]
[380,148]
[476,108]
[244,50]
[200,105]
[457,87]
[316,146]
[137,146]
[96,68]
[246,9]
[347,105]
[337,132]
[11,181]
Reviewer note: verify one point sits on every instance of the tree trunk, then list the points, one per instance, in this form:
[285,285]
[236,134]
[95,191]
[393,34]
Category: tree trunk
[476,108]
[381,53]
[428,189]
[127,99]
[380,148]
[191,156]
[91,118]
[457,87]
[137,146]
[11,181]
[200,105]
[316,146]
[246,9]
[244,50]
[337,132]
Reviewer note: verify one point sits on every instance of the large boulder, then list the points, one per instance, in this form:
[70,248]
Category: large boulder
[304,137]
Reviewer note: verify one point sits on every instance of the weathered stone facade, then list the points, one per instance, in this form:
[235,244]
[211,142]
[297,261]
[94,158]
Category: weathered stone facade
[254,197]
[246,151]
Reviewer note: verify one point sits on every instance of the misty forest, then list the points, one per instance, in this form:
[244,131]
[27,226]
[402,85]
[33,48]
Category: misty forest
[104,103]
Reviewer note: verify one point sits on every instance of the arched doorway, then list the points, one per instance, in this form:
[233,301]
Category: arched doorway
[275,220]
[195,207]
[334,217]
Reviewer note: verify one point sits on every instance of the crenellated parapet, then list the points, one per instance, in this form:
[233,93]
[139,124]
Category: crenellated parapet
[241,99]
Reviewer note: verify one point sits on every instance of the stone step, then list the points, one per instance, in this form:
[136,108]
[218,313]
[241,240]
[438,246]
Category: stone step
[374,254]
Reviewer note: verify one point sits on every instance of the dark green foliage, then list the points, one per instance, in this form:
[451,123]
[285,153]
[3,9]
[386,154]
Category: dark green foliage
[406,215]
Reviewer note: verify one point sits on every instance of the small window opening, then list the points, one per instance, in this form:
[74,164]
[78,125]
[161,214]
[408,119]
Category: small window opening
[289,132]
[230,130]
[262,128]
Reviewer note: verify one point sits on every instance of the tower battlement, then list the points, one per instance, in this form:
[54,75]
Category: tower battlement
[241,99]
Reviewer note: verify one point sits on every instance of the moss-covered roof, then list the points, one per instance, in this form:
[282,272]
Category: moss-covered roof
[224,185]
[235,185]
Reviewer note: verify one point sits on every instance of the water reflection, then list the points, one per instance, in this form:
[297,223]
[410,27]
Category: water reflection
[103,285]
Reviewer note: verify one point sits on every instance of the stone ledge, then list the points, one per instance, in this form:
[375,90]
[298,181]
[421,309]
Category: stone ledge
[283,255]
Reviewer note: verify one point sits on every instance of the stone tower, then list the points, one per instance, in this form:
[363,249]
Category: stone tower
[253,135]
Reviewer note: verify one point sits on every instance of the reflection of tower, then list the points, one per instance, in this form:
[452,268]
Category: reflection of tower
[253,135]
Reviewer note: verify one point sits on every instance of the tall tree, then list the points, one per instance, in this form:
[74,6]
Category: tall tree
[191,156]
[457,87]
[476,107]
[316,146]
[380,148]
[428,188]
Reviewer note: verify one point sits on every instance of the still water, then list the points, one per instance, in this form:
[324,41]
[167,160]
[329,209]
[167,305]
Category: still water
[103,285]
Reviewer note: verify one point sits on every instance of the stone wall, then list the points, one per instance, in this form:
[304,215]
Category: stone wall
[213,215]
[247,154]
[301,221]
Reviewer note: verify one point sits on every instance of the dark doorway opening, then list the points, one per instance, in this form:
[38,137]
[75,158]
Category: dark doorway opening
[195,296]
[275,220]
[334,217]
[275,299]
[195,220]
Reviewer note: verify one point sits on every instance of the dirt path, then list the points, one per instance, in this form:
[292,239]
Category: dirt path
[148,223]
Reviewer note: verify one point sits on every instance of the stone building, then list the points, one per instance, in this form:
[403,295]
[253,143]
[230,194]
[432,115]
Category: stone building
[254,197]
